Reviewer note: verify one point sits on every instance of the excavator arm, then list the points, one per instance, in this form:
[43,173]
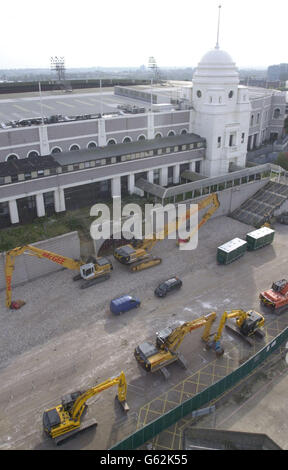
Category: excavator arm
[212,198]
[171,227]
[33,251]
[177,336]
[80,402]
[240,316]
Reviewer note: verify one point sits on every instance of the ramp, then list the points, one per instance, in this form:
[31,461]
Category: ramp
[261,207]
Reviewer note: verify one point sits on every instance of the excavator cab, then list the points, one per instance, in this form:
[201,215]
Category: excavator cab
[280,286]
[163,335]
[87,271]
[253,321]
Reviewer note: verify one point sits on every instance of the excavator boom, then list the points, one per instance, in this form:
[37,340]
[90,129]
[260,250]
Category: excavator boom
[90,271]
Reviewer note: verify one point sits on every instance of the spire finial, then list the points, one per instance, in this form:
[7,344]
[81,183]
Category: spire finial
[217,43]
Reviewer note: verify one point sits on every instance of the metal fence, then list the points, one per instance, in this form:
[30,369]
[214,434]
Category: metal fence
[149,431]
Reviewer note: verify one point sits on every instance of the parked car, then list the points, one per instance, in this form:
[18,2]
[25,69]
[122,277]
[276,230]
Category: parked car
[123,304]
[172,284]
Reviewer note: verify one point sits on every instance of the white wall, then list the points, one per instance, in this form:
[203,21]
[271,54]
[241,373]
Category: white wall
[30,267]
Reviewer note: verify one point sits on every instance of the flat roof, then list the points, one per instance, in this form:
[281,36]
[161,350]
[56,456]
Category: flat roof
[115,150]
[261,232]
[232,245]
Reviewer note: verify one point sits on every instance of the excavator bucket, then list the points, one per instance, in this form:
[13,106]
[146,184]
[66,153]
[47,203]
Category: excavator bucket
[16,304]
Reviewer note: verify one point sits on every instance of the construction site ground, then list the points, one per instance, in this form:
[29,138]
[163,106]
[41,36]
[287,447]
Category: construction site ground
[65,339]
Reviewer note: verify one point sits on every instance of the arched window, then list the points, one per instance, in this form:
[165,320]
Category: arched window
[170,133]
[56,150]
[92,145]
[141,137]
[12,156]
[111,142]
[126,140]
[158,135]
[276,113]
[252,120]
[184,132]
[74,148]
[33,154]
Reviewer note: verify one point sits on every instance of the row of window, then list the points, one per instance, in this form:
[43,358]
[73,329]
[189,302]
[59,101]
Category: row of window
[276,115]
[92,145]
[232,139]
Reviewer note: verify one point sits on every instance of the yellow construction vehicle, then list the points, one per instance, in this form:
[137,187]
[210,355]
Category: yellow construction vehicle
[154,357]
[95,270]
[138,256]
[247,324]
[64,420]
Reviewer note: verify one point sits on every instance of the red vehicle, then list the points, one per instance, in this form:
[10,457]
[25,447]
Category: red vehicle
[276,297]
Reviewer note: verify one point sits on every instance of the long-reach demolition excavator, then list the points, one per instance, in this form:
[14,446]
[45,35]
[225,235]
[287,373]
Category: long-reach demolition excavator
[154,357]
[212,198]
[138,257]
[247,324]
[64,420]
[95,270]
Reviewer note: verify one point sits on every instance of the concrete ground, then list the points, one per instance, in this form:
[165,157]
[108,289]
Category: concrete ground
[65,339]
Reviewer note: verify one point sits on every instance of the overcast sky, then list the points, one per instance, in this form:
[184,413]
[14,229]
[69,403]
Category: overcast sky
[91,33]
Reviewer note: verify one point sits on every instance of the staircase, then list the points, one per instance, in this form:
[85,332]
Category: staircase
[260,208]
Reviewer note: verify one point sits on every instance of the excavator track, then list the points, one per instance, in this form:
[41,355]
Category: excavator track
[145,264]
[96,280]
[88,424]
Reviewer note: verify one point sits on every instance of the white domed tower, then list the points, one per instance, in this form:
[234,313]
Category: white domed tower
[222,110]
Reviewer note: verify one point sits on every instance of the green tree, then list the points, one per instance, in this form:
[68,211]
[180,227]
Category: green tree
[282,160]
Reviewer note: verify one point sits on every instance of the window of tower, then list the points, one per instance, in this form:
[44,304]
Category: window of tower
[231,94]
[199,94]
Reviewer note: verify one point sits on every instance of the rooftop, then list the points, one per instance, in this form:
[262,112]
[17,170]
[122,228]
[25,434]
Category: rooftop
[116,150]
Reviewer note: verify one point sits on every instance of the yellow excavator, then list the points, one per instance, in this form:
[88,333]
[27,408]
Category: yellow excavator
[137,256]
[64,420]
[247,324]
[95,270]
[154,357]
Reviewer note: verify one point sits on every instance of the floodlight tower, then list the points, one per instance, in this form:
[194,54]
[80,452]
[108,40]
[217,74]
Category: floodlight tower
[152,65]
[58,66]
